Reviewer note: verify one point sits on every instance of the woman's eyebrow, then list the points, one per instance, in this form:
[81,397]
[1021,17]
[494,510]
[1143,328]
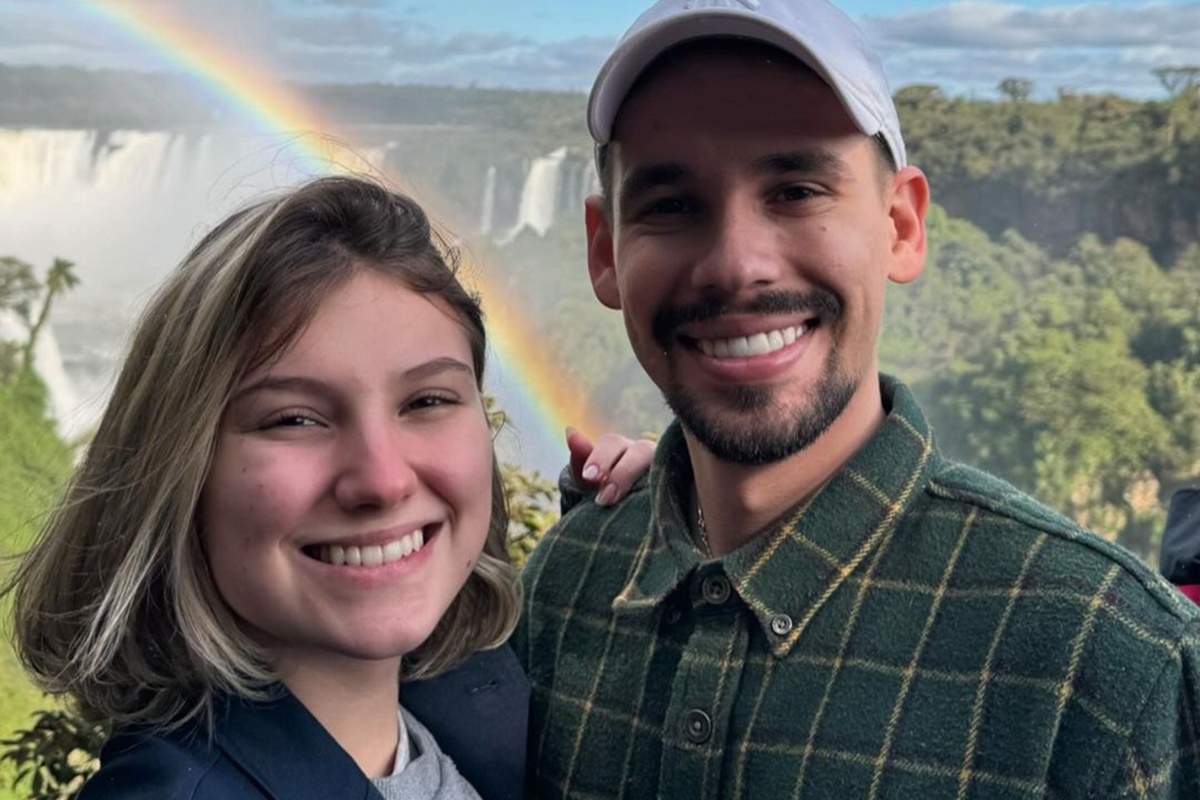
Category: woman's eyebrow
[317,386]
[285,383]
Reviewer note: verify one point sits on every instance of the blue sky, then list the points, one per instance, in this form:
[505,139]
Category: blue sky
[545,19]
[966,46]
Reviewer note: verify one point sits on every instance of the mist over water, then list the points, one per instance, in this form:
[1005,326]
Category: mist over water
[126,205]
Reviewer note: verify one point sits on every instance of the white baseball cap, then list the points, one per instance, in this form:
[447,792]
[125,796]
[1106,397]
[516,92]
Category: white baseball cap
[814,31]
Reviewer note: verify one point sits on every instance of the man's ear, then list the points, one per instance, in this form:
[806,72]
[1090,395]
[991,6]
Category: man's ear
[601,265]
[909,203]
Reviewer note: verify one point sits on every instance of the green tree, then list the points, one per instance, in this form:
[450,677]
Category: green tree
[18,289]
[18,286]
[1017,90]
[1178,79]
[54,756]
[59,279]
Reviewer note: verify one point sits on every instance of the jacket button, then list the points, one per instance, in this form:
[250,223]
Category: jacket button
[781,624]
[715,589]
[697,726]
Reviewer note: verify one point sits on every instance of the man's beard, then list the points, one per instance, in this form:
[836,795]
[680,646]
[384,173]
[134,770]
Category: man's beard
[747,424]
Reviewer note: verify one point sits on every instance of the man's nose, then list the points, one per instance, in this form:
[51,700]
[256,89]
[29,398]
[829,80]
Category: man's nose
[741,252]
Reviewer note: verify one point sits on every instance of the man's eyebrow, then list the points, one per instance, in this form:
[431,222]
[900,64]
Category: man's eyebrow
[643,179]
[814,161]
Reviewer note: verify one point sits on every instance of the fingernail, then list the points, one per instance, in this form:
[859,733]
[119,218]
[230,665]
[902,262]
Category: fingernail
[591,472]
[607,494]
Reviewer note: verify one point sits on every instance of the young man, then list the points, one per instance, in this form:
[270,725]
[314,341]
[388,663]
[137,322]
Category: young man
[807,600]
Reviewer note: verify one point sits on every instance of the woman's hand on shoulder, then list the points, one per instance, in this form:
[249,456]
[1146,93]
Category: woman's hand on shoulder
[610,466]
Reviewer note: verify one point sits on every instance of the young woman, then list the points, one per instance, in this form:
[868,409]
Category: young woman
[291,504]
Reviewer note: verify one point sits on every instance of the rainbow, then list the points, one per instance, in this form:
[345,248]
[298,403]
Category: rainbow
[247,86]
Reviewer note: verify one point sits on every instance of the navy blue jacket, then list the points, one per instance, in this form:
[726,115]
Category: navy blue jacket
[277,750]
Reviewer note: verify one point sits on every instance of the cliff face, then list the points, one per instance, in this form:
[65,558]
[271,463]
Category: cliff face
[1147,203]
[1105,165]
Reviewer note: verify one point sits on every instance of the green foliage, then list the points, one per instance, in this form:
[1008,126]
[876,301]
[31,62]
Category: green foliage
[532,508]
[1178,79]
[33,460]
[56,755]
[1055,170]
[18,286]
[60,278]
[33,464]
[1073,377]
[1017,90]
[532,499]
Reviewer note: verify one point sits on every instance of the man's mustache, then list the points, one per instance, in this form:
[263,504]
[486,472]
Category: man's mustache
[817,302]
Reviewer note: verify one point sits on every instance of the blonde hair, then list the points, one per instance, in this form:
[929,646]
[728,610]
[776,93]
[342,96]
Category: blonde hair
[114,604]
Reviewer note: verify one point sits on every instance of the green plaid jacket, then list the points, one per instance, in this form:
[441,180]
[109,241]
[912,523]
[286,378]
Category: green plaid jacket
[916,630]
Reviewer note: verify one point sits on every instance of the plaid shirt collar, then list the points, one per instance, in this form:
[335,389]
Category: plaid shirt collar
[789,571]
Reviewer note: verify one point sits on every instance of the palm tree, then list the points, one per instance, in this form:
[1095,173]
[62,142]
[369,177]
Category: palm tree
[59,278]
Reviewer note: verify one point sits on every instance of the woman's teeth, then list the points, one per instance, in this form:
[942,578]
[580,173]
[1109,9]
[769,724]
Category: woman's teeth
[756,345]
[372,555]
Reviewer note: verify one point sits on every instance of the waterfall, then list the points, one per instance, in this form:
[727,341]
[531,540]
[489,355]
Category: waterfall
[488,215]
[37,160]
[539,196]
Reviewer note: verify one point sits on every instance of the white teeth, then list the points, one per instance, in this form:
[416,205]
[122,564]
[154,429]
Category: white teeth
[372,555]
[757,344]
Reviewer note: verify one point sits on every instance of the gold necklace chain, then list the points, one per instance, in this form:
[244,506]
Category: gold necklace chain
[702,530]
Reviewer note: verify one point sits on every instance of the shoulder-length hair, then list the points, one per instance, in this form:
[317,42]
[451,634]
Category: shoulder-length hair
[114,604]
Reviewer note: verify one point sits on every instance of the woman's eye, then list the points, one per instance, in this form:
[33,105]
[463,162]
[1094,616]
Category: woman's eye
[289,419]
[430,401]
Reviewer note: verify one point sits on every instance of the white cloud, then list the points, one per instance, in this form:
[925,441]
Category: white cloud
[967,47]
[1001,26]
